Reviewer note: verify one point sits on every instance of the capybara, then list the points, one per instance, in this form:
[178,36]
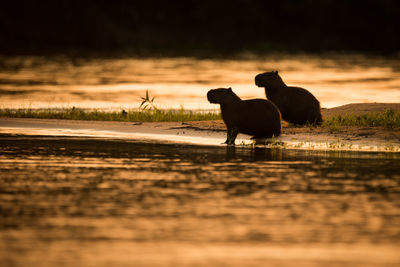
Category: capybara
[257,117]
[297,105]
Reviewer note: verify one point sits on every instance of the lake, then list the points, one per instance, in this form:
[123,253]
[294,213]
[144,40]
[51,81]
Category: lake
[70,201]
[118,83]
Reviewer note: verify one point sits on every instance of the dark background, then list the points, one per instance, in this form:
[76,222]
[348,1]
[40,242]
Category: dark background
[198,27]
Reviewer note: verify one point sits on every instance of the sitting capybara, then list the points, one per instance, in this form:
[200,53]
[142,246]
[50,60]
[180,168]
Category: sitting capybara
[257,117]
[297,105]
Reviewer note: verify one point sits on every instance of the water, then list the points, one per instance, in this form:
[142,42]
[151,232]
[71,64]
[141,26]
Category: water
[42,82]
[98,201]
[68,201]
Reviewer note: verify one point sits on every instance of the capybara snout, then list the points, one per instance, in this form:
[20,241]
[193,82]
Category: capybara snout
[263,79]
[213,96]
[259,80]
[217,96]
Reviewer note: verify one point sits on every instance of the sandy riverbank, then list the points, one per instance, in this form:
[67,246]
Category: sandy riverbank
[213,132]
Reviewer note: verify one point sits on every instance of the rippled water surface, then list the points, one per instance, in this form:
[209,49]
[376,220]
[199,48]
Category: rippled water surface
[99,202]
[40,82]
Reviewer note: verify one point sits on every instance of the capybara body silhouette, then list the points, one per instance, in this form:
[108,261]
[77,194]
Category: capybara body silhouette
[259,118]
[297,105]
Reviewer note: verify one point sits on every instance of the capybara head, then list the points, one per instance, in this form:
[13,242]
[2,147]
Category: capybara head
[220,95]
[267,79]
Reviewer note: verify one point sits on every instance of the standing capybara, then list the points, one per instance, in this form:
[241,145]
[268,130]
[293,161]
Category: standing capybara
[297,105]
[257,117]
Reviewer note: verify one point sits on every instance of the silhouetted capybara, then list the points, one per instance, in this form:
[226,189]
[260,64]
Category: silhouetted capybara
[257,117]
[297,105]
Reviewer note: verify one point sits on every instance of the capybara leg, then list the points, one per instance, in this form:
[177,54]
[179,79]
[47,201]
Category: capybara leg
[231,136]
[319,120]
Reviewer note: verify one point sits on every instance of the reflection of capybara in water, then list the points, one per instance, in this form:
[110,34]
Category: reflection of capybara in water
[297,105]
[257,117]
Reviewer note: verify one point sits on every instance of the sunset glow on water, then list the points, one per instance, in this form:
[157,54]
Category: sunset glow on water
[76,201]
[39,82]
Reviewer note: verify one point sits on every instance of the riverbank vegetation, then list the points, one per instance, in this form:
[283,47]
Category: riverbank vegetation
[146,115]
[387,118]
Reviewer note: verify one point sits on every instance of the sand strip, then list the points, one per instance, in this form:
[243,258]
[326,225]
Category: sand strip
[208,133]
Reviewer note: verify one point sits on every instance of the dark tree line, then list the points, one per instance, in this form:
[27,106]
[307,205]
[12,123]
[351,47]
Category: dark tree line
[194,25]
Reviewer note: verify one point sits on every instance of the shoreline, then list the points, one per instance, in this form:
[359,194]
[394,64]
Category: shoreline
[213,133]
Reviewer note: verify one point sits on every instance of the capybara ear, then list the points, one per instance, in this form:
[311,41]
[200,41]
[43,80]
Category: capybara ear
[276,72]
[230,89]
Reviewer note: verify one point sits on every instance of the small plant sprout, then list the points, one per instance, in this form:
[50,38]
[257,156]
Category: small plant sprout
[147,102]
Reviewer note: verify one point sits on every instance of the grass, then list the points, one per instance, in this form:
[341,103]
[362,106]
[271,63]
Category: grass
[388,118]
[148,115]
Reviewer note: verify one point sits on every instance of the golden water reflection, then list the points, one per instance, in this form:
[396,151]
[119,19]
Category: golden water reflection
[110,201]
[40,82]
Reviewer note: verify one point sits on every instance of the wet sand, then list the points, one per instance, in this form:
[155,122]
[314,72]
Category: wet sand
[213,132]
